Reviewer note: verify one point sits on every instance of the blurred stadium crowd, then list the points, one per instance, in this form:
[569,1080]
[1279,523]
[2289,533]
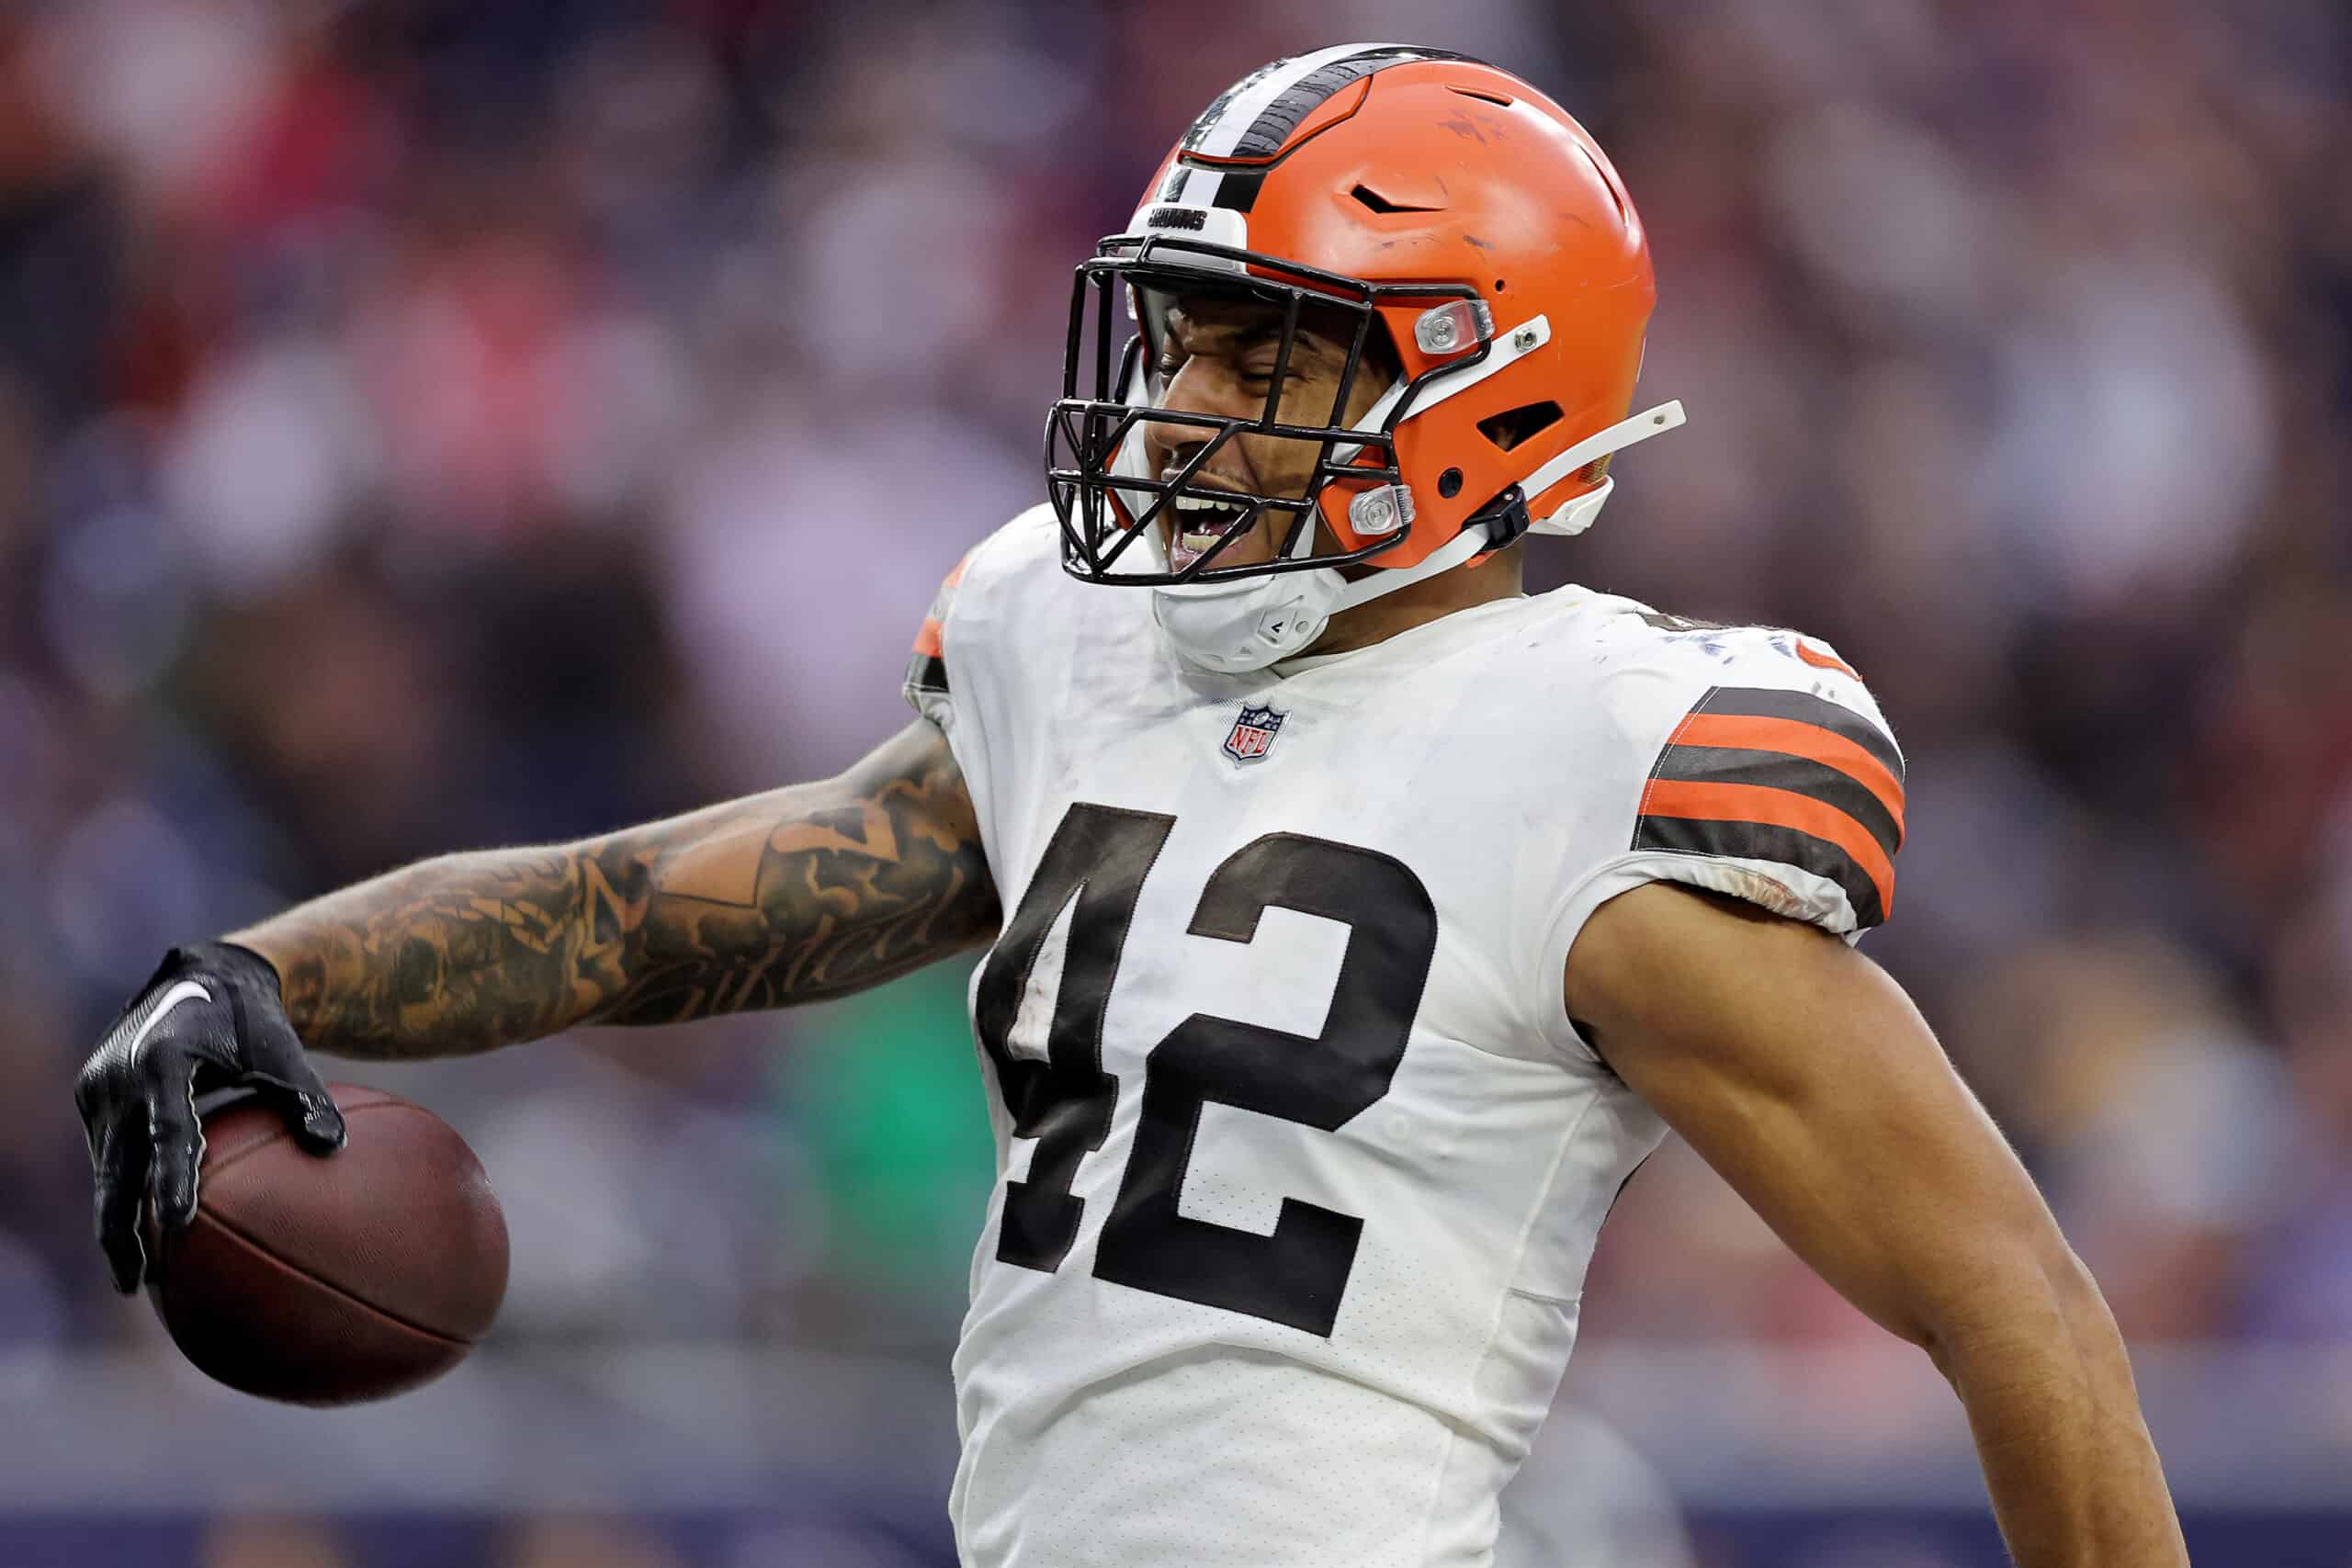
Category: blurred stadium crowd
[425,424]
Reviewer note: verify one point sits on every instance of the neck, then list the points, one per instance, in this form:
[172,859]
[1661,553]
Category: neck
[1497,576]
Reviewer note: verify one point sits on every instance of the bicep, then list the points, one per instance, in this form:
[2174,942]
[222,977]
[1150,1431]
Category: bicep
[1803,1074]
[810,892]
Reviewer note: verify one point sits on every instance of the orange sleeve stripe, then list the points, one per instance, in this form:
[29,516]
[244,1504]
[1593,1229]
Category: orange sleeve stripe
[957,575]
[927,639]
[1781,808]
[1797,739]
[1821,661]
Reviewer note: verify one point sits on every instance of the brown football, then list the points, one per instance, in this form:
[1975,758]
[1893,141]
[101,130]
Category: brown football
[337,1279]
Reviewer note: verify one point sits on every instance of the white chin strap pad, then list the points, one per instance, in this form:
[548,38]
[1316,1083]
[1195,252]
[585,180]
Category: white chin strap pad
[1241,624]
[1577,514]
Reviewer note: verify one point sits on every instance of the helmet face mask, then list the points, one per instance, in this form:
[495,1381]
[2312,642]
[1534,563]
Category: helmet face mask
[1109,399]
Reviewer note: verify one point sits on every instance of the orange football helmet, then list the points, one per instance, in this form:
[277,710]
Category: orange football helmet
[1449,202]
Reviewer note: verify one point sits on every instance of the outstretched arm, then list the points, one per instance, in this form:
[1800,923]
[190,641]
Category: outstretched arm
[794,895]
[1805,1075]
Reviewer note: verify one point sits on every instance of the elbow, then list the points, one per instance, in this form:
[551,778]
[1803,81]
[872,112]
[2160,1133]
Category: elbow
[2070,1295]
[2039,1294]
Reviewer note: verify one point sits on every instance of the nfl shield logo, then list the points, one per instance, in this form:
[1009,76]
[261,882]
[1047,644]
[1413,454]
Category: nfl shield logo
[1253,734]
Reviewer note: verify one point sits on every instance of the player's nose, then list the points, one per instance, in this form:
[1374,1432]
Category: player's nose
[1171,447]
[1195,391]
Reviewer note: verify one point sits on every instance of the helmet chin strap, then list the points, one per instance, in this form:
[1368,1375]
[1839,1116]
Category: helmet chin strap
[1238,625]
[1445,558]
[1577,514]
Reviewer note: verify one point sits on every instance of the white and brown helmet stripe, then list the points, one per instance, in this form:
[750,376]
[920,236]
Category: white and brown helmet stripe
[1256,116]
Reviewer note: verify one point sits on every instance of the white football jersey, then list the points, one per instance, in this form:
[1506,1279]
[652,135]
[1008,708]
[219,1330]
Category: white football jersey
[1300,1159]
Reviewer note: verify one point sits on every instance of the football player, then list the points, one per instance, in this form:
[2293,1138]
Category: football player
[1358,923]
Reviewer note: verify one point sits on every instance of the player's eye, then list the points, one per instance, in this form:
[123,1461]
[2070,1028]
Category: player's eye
[1261,377]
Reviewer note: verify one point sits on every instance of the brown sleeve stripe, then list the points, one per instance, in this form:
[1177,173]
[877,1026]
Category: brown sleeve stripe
[1766,841]
[927,672]
[1810,781]
[1766,701]
[1778,809]
[1789,738]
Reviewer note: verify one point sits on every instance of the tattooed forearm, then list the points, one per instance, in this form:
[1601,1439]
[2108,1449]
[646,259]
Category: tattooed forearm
[802,893]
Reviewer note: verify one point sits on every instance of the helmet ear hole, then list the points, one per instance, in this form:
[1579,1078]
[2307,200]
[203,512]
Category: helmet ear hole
[1448,483]
[1513,426]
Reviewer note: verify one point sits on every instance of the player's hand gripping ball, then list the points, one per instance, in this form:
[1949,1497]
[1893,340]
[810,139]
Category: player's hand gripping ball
[321,1249]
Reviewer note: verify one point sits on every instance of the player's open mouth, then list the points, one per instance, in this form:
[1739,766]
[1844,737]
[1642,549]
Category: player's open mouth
[1196,523]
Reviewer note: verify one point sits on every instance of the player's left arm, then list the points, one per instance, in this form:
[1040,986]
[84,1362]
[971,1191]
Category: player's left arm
[1802,1072]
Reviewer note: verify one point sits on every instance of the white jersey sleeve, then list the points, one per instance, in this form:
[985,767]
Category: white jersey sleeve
[1747,760]
[986,651]
[949,674]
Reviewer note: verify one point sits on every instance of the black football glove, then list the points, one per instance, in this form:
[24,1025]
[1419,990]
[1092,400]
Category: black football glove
[212,1018]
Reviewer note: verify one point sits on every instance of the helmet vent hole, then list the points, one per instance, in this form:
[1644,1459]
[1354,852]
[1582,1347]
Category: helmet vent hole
[1448,483]
[1379,203]
[1508,428]
[1489,98]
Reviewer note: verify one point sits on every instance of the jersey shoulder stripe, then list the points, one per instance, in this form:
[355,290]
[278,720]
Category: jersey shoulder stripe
[1804,707]
[1771,774]
[927,670]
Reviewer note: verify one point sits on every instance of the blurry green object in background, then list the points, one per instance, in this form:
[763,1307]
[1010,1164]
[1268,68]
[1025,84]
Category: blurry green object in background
[886,1091]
